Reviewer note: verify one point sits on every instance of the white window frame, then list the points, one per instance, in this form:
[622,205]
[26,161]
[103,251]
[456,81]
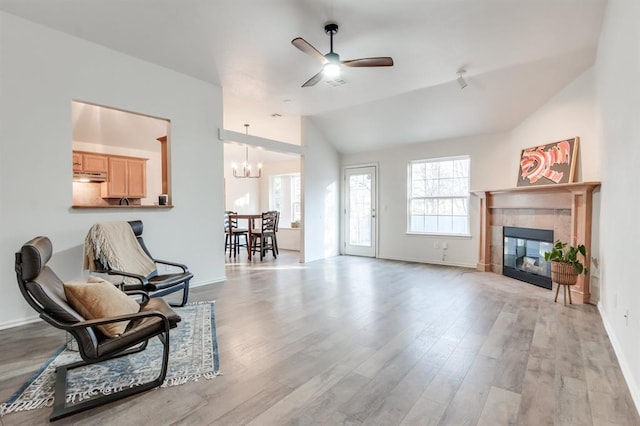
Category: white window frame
[410,197]
[287,198]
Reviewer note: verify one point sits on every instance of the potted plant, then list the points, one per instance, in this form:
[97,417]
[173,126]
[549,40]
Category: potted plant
[565,265]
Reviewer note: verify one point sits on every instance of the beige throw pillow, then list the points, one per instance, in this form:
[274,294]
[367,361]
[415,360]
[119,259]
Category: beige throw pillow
[98,298]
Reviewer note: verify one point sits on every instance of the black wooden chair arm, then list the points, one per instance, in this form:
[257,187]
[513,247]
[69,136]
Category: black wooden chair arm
[144,294]
[177,265]
[119,318]
[143,280]
[101,321]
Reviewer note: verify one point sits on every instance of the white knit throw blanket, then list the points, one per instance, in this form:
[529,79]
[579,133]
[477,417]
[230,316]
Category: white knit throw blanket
[114,244]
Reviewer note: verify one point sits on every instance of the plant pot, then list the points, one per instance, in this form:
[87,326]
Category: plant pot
[563,273]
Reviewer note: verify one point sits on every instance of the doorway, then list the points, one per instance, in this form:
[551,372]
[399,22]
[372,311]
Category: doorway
[360,211]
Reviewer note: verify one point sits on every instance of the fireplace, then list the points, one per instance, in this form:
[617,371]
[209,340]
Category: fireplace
[523,257]
[566,208]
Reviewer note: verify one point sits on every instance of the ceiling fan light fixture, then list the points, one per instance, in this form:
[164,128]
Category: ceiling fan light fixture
[331,61]
[331,70]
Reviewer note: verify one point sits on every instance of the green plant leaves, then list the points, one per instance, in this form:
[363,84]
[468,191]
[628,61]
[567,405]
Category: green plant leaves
[561,252]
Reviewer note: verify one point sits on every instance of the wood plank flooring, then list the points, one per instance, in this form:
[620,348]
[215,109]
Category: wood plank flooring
[364,341]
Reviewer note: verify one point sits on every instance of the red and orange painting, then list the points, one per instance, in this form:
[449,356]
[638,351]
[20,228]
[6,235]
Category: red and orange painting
[548,164]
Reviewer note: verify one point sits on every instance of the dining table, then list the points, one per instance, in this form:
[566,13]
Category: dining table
[250,218]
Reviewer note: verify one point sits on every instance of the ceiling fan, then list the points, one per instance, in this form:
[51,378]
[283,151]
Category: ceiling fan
[331,60]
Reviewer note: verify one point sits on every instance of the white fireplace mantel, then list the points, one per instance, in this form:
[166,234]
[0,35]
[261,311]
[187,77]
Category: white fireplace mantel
[577,197]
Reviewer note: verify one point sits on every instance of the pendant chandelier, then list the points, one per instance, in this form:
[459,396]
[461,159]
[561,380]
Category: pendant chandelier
[246,167]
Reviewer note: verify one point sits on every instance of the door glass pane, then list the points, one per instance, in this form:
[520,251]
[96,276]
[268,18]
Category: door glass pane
[360,210]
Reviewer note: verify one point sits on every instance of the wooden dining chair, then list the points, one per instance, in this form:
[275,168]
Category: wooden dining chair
[275,232]
[263,238]
[233,234]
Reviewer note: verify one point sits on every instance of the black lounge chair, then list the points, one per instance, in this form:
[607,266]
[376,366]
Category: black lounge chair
[156,285]
[44,291]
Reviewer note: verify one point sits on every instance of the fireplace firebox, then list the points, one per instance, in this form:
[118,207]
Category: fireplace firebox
[523,257]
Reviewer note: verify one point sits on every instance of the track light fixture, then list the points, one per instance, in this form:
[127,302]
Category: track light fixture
[461,81]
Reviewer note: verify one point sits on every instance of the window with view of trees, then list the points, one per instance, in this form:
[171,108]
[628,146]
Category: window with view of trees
[284,196]
[438,196]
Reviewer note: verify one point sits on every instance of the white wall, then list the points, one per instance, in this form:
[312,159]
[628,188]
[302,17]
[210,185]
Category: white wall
[239,111]
[494,165]
[393,242]
[41,71]
[617,69]
[571,112]
[241,195]
[320,198]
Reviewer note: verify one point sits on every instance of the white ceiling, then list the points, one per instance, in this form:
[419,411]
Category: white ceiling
[517,54]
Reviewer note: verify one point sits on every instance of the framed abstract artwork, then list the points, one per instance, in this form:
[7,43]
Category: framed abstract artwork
[548,164]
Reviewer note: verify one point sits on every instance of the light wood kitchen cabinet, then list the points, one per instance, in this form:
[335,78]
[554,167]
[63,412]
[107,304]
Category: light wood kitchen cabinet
[89,162]
[77,162]
[94,163]
[137,178]
[127,177]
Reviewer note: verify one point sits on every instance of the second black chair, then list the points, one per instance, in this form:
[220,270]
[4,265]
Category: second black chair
[263,239]
[233,234]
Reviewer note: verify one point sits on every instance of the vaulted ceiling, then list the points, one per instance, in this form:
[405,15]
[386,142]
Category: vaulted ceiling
[517,54]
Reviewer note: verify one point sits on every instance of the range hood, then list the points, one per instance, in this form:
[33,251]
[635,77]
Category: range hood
[89,176]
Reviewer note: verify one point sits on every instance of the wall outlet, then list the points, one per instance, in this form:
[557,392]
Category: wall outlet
[445,246]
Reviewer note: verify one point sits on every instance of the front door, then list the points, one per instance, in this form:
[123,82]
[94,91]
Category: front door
[360,211]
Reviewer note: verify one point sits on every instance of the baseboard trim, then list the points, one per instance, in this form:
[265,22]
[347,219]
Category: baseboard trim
[622,360]
[212,281]
[320,258]
[19,322]
[431,262]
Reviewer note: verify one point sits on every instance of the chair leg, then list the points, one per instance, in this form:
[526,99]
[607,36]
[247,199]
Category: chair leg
[262,244]
[236,241]
[185,295]
[274,246]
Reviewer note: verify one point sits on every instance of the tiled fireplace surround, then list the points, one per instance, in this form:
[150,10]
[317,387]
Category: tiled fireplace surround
[564,208]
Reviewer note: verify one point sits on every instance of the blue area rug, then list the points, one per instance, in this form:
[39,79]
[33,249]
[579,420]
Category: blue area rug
[193,355]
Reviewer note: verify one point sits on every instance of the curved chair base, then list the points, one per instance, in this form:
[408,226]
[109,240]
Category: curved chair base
[185,293]
[60,407]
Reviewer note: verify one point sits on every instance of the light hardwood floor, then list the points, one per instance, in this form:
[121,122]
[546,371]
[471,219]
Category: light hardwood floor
[363,341]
